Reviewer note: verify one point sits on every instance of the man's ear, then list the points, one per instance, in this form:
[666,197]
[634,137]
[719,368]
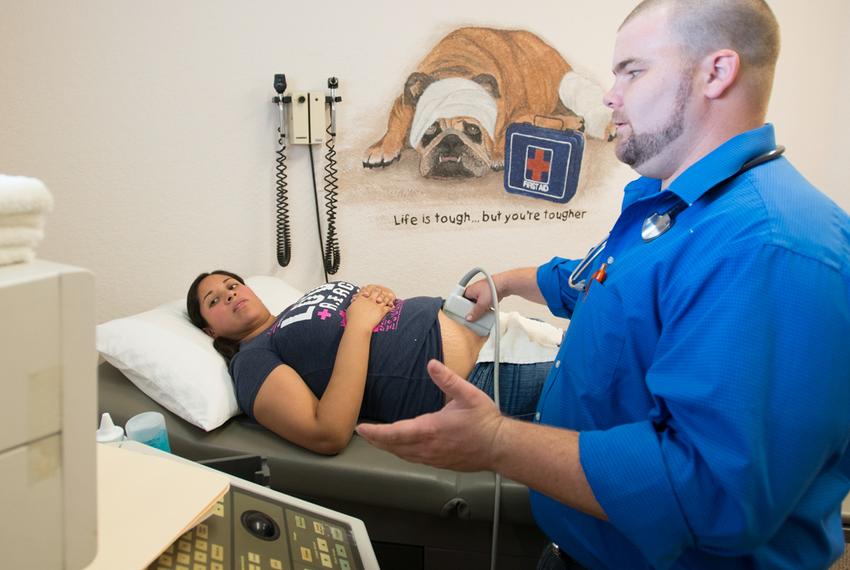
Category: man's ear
[720,70]
[209,331]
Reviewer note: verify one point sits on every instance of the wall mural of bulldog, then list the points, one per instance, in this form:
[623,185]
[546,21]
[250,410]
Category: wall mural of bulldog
[455,108]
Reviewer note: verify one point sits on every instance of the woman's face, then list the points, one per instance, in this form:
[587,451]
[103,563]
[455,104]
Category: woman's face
[231,309]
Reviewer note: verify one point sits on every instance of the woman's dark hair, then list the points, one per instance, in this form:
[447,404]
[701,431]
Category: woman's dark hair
[225,346]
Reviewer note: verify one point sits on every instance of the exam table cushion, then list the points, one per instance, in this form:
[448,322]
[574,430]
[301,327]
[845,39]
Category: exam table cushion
[361,475]
[174,363]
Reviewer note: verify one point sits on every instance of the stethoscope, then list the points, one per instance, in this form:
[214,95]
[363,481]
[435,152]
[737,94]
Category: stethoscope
[657,224]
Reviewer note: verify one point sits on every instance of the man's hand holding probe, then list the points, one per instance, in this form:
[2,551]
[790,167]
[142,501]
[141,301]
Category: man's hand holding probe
[522,282]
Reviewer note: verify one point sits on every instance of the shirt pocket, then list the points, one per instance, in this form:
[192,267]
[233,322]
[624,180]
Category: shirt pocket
[594,342]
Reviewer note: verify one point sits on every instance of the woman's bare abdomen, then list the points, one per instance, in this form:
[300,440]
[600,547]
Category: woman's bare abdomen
[460,345]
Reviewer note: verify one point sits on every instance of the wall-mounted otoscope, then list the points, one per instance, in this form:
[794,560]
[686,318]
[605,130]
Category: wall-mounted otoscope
[330,253]
[283,238]
[306,123]
[332,99]
[280,99]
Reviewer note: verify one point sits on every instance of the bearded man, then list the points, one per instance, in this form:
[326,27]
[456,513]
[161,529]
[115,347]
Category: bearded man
[698,412]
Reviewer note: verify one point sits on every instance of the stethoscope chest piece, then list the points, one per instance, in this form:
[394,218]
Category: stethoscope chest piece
[655,225]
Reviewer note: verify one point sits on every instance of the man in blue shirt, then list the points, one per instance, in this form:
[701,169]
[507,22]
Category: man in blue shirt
[698,414]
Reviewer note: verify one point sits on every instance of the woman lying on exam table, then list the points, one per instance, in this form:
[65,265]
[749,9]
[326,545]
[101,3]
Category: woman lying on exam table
[344,353]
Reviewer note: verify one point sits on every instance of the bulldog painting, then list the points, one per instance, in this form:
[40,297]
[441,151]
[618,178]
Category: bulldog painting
[456,106]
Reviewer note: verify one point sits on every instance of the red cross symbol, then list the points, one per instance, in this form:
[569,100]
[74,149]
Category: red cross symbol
[537,165]
[324,314]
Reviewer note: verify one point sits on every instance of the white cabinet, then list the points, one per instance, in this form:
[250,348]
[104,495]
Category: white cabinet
[48,416]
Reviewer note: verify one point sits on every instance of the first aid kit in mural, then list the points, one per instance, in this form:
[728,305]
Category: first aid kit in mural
[541,162]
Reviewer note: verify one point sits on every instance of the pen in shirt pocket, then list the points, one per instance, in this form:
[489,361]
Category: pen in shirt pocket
[599,275]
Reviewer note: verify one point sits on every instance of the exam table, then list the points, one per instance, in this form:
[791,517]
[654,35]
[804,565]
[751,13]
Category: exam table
[417,516]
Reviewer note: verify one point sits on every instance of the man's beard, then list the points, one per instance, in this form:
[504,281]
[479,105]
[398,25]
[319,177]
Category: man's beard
[638,148]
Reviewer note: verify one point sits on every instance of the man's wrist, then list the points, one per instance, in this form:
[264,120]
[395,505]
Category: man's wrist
[501,443]
[503,284]
[515,282]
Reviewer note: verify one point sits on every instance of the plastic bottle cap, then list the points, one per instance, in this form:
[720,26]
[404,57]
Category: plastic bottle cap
[108,431]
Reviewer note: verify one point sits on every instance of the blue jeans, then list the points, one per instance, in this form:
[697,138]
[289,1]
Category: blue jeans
[519,385]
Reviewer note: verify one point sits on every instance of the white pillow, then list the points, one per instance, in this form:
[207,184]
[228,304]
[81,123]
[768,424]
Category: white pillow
[173,362]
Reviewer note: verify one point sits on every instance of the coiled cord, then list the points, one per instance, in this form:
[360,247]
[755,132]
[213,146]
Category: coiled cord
[284,237]
[331,254]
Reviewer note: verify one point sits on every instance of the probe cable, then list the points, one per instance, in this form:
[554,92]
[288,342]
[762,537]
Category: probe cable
[497,495]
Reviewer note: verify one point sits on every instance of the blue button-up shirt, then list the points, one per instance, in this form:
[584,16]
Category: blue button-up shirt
[709,374]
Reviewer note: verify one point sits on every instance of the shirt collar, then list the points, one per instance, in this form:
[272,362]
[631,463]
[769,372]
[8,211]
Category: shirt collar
[721,163]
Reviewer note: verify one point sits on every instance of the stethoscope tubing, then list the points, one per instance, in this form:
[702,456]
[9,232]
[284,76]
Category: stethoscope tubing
[657,224]
[591,255]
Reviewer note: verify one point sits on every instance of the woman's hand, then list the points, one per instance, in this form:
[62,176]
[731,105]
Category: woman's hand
[365,312]
[378,293]
[288,407]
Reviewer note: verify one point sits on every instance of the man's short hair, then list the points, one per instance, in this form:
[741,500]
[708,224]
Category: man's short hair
[703,26]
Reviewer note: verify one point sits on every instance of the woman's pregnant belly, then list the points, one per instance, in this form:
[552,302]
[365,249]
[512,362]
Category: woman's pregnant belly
[460,345]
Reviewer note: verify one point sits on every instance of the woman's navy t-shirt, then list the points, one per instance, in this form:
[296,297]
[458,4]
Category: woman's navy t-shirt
[306,337]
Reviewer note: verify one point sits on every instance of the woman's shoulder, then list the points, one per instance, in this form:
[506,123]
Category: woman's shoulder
[250,358]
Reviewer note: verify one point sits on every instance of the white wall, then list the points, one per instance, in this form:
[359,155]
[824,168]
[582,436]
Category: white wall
[152,124]
[809,103]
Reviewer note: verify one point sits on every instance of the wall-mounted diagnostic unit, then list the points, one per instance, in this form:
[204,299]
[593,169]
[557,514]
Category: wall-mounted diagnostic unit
[308,118]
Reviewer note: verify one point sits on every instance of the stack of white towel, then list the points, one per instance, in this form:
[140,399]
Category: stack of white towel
[24,202]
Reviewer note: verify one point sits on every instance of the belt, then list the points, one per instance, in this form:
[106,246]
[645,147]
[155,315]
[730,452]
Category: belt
[568,560]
